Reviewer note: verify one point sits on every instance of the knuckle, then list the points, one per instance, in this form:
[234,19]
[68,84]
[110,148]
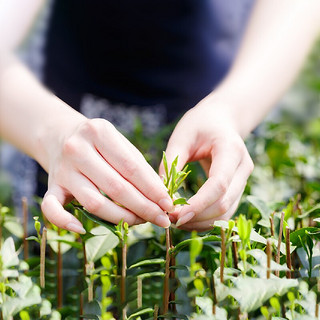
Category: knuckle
[129,168]
[115,189]
[222,185]
[223,206]
[91,128]
[70,147]
[93,204]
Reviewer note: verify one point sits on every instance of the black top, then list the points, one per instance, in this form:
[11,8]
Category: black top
[142,52]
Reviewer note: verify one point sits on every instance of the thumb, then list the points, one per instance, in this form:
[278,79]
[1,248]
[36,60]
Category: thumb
[177,146]
[52,208]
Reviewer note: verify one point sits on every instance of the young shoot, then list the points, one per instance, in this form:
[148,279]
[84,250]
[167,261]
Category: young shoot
[173,179]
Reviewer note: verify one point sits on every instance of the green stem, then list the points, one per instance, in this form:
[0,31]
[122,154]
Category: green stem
[167,274]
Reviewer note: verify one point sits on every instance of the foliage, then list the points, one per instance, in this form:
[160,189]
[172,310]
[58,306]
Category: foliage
[116,272]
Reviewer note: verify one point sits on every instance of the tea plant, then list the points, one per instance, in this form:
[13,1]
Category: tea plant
[262,264]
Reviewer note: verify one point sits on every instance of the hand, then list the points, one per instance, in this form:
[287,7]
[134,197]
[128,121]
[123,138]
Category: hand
[94,156]
[209,134]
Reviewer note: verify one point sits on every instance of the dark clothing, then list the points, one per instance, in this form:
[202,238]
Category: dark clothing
[142,52]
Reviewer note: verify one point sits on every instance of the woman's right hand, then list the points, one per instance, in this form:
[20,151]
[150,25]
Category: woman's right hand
[93,157]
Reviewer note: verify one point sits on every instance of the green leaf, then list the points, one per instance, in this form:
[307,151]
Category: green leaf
[24,315]
[54,238]
[205,304]
[172,189]
[253,298]
[195,247]
[9,254]
[33,238]
[181,177]
[173,167]
[275,304]
[148,262]
[93,218]
[27,294]
[311,213]
[254,236]
[45,308]
[99,245]
[312,231]
[139,313]
[198,284]
[14,227]
[261,206]
[180,201]
[151,274]
[165,165]
[187,242]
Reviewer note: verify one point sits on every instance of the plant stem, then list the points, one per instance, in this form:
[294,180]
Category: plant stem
[214,295]
[269,253]
[123,279]
[155,312]
[59,276]
[234,252]
[25,228]
[90,272]
[223,253]
[139,292]
[43,257]
[81,305]
[172,275]
[288,254]
[279,242]
[271,224]
[167,274]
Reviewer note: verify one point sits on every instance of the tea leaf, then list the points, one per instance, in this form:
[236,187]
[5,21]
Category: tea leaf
[180,201]
[165,164]
[147,262]
[139,313]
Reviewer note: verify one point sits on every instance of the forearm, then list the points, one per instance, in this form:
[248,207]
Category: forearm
[278,37]
[31,117]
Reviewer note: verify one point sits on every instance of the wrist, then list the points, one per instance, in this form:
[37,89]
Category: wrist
[61,122]
[245,108]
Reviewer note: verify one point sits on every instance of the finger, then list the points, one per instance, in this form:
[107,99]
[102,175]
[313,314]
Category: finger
[208,224]
[52,208]
[223,169]
[223,204]
[90,197]
[120,190]
[130,163]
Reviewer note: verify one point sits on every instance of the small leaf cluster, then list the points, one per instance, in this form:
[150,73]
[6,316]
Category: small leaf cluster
[173,179]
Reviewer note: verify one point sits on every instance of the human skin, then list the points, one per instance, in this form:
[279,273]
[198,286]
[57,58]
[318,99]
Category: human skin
[278,37]
[83,156]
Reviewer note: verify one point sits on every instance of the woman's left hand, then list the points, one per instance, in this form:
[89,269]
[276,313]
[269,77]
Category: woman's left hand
[208,133]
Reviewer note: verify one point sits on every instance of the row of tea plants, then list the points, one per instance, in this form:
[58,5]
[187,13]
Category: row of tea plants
[263,264]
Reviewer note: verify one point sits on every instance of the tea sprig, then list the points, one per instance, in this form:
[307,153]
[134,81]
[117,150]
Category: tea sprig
[173,179]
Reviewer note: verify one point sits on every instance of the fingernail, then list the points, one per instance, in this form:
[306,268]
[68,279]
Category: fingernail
[166,205]
[184,219]
[162,221]
[75,228]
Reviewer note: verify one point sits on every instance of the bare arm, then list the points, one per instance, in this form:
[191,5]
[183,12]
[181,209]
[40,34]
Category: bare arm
[278,38]
[82,156]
